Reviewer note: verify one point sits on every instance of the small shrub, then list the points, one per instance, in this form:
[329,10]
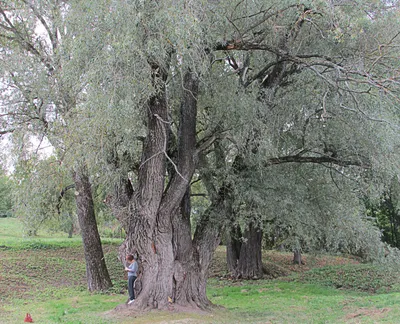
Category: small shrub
[39,246]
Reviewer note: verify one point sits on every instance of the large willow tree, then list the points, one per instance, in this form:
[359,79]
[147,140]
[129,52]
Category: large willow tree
[180,88]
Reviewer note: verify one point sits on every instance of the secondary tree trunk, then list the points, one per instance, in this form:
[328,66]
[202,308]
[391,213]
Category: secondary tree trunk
[244,253]
[192,257]
[96,271]
[233,248]
[297,257]
[250,260]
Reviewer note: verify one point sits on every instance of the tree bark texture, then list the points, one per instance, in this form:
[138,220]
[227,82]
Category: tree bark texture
[233,247]
[120,203]
[96,271]
[297,257]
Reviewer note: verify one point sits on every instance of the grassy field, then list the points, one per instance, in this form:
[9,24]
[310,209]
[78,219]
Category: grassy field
[45,276]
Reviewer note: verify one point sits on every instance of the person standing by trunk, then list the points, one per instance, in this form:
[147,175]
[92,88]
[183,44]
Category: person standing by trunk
[132,270]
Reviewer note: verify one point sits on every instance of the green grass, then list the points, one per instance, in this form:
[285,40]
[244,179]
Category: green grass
[263,302]
[290,302]
[68,307]
[45,276]
[358,277]
[11,237]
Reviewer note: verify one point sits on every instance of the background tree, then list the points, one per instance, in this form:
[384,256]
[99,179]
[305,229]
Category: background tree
[6,209]
[385,213]
[39,95]
[309,134]
[43,196]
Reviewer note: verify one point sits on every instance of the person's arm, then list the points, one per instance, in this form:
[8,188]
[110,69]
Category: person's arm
[131,267]
[135,267]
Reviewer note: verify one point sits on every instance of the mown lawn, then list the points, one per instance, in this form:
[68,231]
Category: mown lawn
[45,277]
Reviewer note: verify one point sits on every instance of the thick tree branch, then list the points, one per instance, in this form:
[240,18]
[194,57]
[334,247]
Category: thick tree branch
[205,143]
[186,151]
[198,195]
[316,159]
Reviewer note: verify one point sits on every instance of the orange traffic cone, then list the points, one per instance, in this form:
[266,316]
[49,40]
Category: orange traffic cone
[28,318]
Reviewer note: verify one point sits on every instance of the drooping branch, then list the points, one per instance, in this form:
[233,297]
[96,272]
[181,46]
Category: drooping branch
[61,195]
[22,41]
[312,62]
[51,35]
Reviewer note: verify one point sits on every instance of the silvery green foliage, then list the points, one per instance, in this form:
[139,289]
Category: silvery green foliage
[120,76]
[5,195]
[34,100]
[306,210]
[340,98]
[37,195]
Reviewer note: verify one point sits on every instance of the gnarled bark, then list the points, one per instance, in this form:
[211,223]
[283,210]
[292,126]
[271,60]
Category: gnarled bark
[250,261]
[174,266]
[244,255]
[233,247]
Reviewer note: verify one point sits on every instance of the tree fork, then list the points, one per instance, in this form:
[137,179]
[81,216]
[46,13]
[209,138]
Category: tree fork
[152,230]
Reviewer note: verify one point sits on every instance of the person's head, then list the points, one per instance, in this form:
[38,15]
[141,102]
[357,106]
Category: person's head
[130,258]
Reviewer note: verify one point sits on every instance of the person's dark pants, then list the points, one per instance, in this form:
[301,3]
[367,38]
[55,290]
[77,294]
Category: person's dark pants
[131,282]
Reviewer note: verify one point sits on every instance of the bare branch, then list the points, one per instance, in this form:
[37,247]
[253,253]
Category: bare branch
[6,131]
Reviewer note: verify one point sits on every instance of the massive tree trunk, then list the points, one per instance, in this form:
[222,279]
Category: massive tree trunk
[173,265]
[96,271]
